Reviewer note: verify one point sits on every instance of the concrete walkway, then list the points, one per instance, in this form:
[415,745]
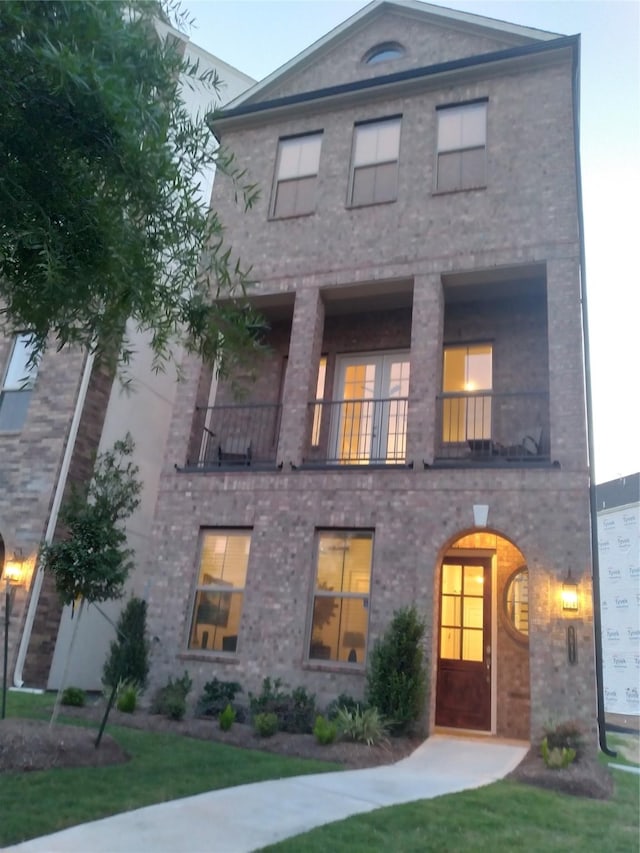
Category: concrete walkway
[248,817]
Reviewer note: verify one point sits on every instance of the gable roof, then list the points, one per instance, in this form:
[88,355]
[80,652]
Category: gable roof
[516,34]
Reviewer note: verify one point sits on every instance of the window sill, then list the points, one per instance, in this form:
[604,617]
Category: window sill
[460,190]
[371,204]
[201,655]
[334,666]
[273,218]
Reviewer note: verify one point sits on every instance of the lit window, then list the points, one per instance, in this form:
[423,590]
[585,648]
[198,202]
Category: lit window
[374,175]
[18,383]
[383,53]
[341,597]
[467,381]
[296,175]
[462,147]
[220,590]
[317,409]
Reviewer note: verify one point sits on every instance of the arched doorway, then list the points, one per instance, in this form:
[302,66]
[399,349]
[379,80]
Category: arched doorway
[482,645]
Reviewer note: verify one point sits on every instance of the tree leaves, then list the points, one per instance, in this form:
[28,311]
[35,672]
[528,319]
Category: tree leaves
[100,217]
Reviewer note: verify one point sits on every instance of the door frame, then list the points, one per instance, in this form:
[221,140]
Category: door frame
[467,553]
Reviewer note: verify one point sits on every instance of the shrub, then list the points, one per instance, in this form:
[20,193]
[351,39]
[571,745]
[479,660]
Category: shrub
[395,678]
[265,724]
[568,735]
[227,718]
[325,731]
[73,696]
[128,659]
[363,726]
[295,711]
[171,700]
[215,697]
[127,698]
[342,701]
[556,757]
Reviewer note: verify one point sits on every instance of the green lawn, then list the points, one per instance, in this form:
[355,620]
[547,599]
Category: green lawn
[502,817]
[163,767]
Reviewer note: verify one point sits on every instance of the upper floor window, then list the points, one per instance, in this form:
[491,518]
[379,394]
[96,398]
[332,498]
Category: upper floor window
[17,385]
[383,52]
[296,175]
[462,132]
[222,574]
[374,173]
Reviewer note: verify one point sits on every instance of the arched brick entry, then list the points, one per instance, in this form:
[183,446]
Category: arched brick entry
[481,647]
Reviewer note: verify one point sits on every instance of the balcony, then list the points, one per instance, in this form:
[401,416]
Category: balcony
[492,428]
[357,432]
[237,437]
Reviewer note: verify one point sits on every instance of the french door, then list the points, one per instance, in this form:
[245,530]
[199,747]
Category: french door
[463,686]
[370,411]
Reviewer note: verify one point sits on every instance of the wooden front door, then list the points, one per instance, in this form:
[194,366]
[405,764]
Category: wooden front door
[463,687]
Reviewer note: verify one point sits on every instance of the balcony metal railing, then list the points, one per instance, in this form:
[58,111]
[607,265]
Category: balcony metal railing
[237,436]
[487,426]
[357,432]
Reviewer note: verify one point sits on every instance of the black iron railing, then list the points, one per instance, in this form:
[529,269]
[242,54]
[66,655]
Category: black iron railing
[491,427]
[357,432]
[237,436]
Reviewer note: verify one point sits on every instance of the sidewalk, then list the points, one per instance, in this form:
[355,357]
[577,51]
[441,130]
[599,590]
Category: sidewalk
[248,817]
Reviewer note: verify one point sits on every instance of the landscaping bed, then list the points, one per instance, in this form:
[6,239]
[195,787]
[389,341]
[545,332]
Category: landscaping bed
[583,778]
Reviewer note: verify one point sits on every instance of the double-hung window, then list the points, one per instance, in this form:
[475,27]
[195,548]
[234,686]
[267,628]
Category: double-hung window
[462,135]
[17,385]
[340,617]
[297,175]
[374,172]
[222,574]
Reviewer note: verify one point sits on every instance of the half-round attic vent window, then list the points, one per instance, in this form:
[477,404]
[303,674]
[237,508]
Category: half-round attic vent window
[383,52]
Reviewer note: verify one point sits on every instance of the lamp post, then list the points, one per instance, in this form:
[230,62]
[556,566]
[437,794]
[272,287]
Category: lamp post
[12,578]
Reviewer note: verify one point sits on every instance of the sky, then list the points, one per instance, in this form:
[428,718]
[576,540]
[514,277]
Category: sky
[258,36]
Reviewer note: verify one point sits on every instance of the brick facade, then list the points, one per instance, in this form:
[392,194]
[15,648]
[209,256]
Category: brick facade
[498,264]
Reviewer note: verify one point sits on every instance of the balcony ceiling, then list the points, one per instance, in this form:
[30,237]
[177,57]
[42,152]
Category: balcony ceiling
[496,283]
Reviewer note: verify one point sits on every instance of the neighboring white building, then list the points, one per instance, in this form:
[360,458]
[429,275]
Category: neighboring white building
[618,504]
[145,413]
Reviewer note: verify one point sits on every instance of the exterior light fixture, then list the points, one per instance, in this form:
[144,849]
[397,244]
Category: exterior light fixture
[13,576]
[569,593]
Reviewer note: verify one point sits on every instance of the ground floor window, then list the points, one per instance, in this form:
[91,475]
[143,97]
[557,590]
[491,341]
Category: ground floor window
[222,573]
[340,618]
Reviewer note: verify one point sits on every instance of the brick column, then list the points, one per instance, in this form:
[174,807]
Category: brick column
[427,323]
[566,365]
[305,348]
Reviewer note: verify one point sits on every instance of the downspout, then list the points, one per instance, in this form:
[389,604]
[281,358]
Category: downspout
[53,519]
[593,509]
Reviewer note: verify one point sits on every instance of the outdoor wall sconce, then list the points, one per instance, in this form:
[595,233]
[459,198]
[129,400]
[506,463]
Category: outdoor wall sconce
[13,577]
[569,594]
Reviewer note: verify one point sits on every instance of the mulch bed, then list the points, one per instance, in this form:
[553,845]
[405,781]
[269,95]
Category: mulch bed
[33,745]
[583,778]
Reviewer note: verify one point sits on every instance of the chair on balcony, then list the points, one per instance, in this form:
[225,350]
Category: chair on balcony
[234,450]
[528,444]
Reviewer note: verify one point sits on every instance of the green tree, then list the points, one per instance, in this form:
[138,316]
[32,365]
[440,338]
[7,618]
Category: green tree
[396,677]
[101,220]
[91,562]
[128,658]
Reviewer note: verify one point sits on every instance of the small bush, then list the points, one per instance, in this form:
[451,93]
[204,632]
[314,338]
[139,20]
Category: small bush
[396,678]
[215,697]
[74,696]
[343,701]
[295,711]
[556,757]
[568,735]
[265,724]
[128,659]
[227,718]
[325,731]
[127,698]
[171,700]
[362,726]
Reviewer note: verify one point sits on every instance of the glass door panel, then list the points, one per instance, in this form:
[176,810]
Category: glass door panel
[467,370]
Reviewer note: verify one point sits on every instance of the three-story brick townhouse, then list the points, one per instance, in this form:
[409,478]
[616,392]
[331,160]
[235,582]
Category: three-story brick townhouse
[415,432]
